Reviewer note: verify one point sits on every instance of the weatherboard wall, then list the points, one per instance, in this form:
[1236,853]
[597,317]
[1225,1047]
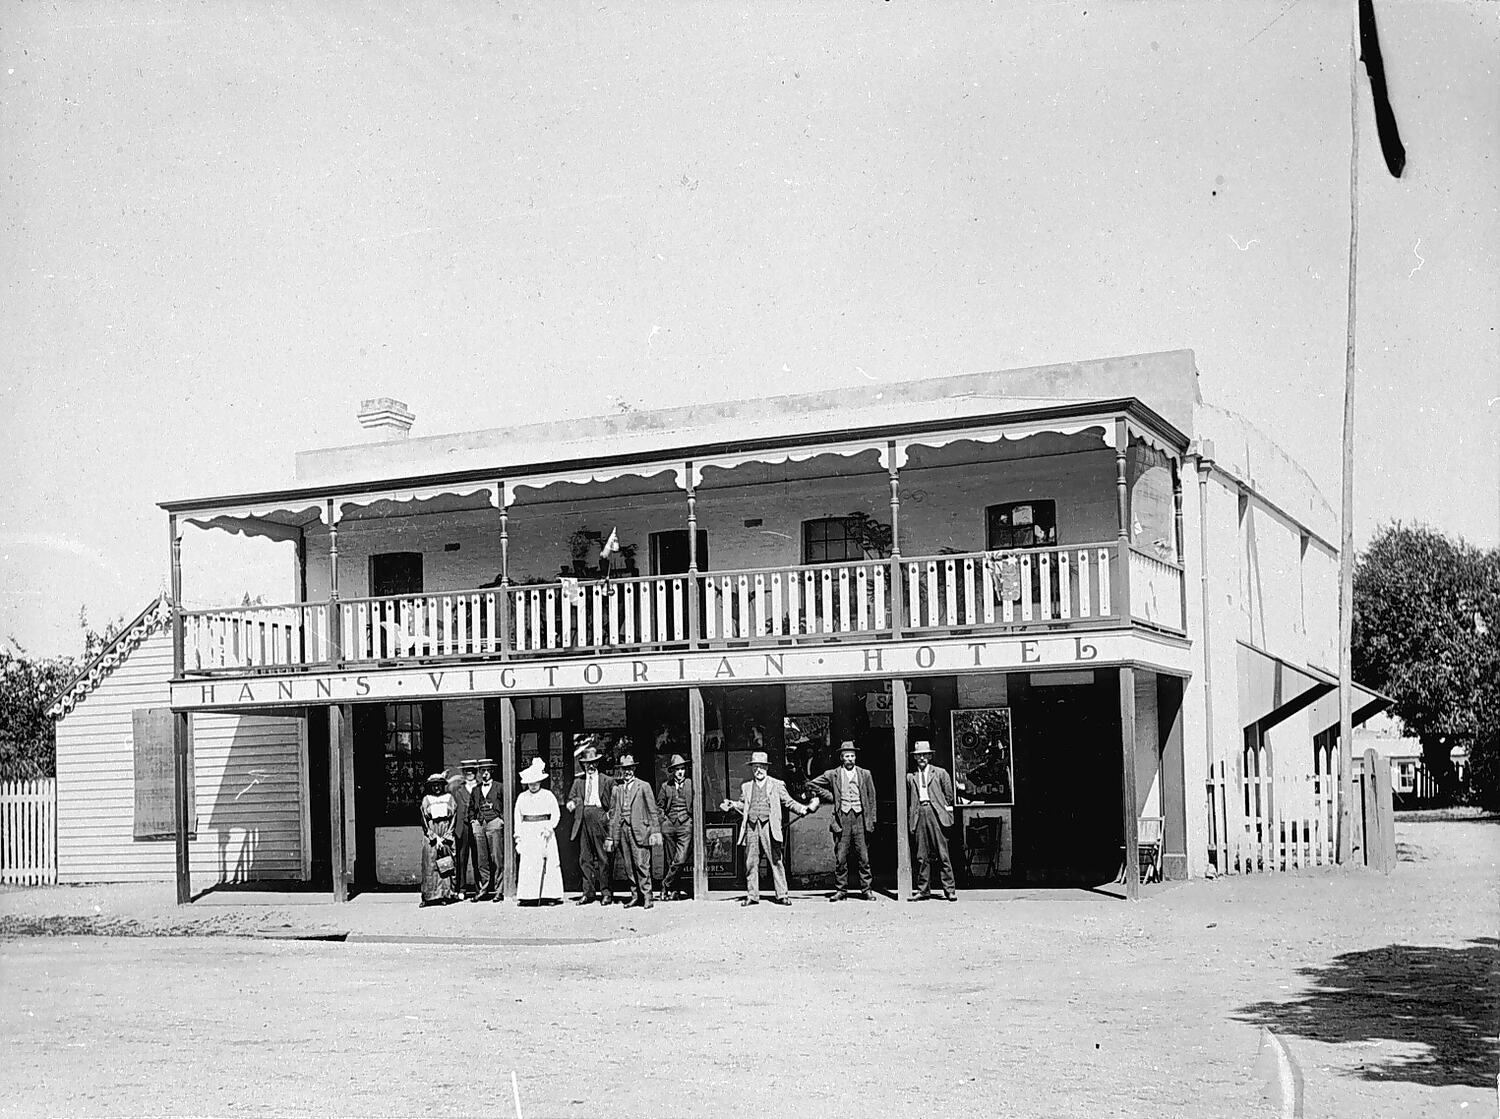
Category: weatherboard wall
[249,785]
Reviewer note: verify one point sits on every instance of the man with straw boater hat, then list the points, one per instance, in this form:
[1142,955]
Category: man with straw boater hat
[675,801]
[589,801]
[850,789]
[487,818]
[634,828]
[761,801]
[462,787]
[929,799]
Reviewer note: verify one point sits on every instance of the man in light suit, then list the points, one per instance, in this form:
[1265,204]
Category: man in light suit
[634,828]
[589,800]
[850,789]
[762,799]
[929,799]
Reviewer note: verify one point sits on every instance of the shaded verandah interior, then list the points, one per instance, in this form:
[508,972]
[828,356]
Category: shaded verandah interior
[1039,759]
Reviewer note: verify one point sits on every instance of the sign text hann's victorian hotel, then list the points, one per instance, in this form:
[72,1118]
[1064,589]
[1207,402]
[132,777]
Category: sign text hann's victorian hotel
[1109,606]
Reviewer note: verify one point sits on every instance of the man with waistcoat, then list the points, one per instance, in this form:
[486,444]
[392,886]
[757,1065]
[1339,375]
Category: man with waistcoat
[675,802]
[589,801]
[487,820]
[634,828]
[461,786]
[929,799]
[850,789]
[761,801]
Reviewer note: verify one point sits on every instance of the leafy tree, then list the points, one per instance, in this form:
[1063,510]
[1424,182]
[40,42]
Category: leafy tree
[1426,622]
[28,685]
[27,738]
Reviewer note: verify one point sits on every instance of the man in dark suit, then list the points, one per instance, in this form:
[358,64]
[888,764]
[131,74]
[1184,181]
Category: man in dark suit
[929,799]
[634,828]
[850,789]
[675,801]
[589,801]
[462,786]
[487,820]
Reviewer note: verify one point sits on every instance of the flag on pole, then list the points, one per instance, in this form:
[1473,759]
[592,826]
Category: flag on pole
[609,550]
[1385,118]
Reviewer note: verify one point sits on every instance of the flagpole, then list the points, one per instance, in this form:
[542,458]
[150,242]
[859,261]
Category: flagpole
[1346,542]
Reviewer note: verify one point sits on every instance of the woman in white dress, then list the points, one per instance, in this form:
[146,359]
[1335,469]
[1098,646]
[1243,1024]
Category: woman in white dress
[538,875]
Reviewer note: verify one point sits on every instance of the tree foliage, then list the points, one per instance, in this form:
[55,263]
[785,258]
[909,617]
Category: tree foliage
[27,737]
[28,685]
[1427,633]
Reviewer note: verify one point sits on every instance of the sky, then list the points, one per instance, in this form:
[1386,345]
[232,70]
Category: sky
[223,225]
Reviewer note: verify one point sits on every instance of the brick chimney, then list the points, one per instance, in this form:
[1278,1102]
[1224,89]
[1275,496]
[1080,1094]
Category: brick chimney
[385,419]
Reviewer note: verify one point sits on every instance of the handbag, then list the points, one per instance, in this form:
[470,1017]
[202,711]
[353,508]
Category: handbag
[445,865]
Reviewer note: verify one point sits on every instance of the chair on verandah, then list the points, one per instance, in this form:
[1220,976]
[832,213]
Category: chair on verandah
[982,847]
[1149,835]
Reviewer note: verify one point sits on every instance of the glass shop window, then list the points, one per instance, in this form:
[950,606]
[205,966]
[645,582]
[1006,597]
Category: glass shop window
[828,540]
[1021,524]
[405,762]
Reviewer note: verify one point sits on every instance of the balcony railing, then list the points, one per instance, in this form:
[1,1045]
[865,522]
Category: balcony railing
[1036,589]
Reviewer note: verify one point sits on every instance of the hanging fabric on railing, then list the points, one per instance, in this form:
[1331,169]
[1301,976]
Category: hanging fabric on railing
[572,593]
[1004,575]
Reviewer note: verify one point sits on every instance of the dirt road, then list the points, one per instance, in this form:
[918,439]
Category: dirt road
[1384,990]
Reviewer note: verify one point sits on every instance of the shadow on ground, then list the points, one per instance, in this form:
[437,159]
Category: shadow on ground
[1445,1000]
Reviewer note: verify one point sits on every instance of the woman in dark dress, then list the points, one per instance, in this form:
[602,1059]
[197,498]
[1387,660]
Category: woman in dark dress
[439,882]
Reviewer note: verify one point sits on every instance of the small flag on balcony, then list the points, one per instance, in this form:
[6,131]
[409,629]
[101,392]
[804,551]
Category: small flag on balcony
[608,551]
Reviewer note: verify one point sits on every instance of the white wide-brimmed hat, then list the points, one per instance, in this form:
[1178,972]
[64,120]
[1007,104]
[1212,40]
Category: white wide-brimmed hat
[536,771]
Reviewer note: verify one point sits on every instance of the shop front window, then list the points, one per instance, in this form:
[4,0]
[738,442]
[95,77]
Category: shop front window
[983,765]
[405,762]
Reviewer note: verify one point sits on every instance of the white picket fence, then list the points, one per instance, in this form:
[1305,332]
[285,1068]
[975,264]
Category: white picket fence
[1263,822]
[28,832]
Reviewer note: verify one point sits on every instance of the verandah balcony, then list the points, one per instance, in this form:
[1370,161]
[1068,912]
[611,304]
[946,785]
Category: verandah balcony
[1034,589]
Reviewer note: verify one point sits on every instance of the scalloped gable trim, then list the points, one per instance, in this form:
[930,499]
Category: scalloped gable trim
[153,619]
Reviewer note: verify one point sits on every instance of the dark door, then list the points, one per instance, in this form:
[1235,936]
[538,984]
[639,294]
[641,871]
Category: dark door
[1067,763]
[669,551]
[394,573]
[669,556]
[396,745]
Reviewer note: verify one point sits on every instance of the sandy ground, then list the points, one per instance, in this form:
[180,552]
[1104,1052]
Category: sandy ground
[1384,990]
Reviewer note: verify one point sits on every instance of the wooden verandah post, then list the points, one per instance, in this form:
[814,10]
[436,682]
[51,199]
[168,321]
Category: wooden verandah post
[695,756]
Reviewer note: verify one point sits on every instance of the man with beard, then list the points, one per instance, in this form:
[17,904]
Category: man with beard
[634,828]
[850,789]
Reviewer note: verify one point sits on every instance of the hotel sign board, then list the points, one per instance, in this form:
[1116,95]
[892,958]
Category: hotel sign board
[700,668]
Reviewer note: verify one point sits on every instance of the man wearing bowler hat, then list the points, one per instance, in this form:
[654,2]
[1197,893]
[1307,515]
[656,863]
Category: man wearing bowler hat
[850,789]
[762,799]
[675,802]
[929,798]
[589,801]
[487,819]
[634,828]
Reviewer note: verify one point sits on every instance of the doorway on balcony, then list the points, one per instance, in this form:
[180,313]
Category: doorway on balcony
[391,574]
[669,556]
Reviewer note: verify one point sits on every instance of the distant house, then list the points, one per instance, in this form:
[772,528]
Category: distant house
[115,823]
[1412,782]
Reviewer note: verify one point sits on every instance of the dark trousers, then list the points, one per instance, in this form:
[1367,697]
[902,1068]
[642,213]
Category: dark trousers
[593,860]
[467,858]
[677,844]
[851,841]
[489,846]
[635,861]
[932,845]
